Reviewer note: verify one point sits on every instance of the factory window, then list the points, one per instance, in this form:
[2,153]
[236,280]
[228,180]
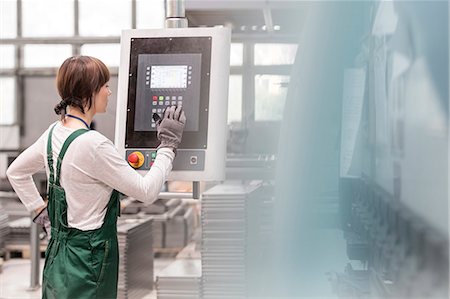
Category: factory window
[59,23]
[150,14]
[45,55]
[108,53]
[7,101]
[275,54]
[235,99]
[7,59]
[8,18]
[104,17]
[270,96]
[236,54]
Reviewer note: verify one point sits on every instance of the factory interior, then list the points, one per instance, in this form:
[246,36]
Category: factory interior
[314,161]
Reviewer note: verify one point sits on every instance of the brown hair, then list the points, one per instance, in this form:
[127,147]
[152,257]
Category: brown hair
[78,79]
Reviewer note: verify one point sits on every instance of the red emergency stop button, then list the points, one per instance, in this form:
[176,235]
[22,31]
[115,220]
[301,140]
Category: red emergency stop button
[133,158]
[136,159]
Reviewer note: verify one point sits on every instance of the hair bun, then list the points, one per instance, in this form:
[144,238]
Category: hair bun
[60,108]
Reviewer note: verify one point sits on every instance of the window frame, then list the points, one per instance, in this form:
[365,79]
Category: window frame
[19,71]
[249,70]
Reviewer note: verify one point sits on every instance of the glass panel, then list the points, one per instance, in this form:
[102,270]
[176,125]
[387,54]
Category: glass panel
[108,53]
[236,54]
[7,101]
[7,58]
[235,98]
[104,17]
[150,14]
[58,16]
[275,54]
[46,55]
[270,96]
[8,18]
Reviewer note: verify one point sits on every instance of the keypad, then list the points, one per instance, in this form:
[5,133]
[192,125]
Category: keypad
[160,102]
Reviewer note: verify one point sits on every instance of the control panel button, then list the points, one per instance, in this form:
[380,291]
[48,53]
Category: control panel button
[133,158]
[193,160]
[136,159]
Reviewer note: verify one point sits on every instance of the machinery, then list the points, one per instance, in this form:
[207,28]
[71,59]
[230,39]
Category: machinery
[382,91]
[183,67]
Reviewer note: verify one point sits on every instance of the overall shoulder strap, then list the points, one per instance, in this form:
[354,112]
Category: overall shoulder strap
[50,155]
[64,149]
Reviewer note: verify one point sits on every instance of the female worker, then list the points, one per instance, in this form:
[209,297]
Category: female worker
[86,174]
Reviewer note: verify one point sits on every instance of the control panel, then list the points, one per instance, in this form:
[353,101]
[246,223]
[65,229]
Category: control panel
[186,67]
[164,80]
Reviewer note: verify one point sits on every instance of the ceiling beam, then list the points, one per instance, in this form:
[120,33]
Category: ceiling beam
[60,40]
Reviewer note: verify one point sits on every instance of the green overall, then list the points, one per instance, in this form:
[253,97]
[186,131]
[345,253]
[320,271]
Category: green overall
[78,264]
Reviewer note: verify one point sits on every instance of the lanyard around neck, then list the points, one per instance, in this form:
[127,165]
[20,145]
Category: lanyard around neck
[80,119]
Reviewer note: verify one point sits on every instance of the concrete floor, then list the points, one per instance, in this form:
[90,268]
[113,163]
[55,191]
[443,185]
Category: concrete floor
[15,278]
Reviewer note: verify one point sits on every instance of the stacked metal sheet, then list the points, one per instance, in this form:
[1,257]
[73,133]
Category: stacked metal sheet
[180,227]
[224,240]
[159,210]
[19,231]
[132,207]
[158,226]
[159,231]
[174,228]
[14,208]
[161,206]
[4,226]
[168,232]
[135,258]
[180,280]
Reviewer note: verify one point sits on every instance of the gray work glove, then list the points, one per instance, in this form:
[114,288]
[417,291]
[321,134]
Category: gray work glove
[43,220]
[170,127]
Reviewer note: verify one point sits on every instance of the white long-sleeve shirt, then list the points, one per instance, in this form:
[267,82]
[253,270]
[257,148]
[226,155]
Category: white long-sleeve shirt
[91,169]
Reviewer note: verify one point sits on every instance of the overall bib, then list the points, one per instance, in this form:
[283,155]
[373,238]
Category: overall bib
[78,264]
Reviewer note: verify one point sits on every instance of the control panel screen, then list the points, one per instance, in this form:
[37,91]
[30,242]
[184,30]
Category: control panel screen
[169,76]
[167,80]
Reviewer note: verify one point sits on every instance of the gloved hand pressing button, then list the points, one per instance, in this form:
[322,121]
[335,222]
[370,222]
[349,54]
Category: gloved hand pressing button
[170,127]
[43,219]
